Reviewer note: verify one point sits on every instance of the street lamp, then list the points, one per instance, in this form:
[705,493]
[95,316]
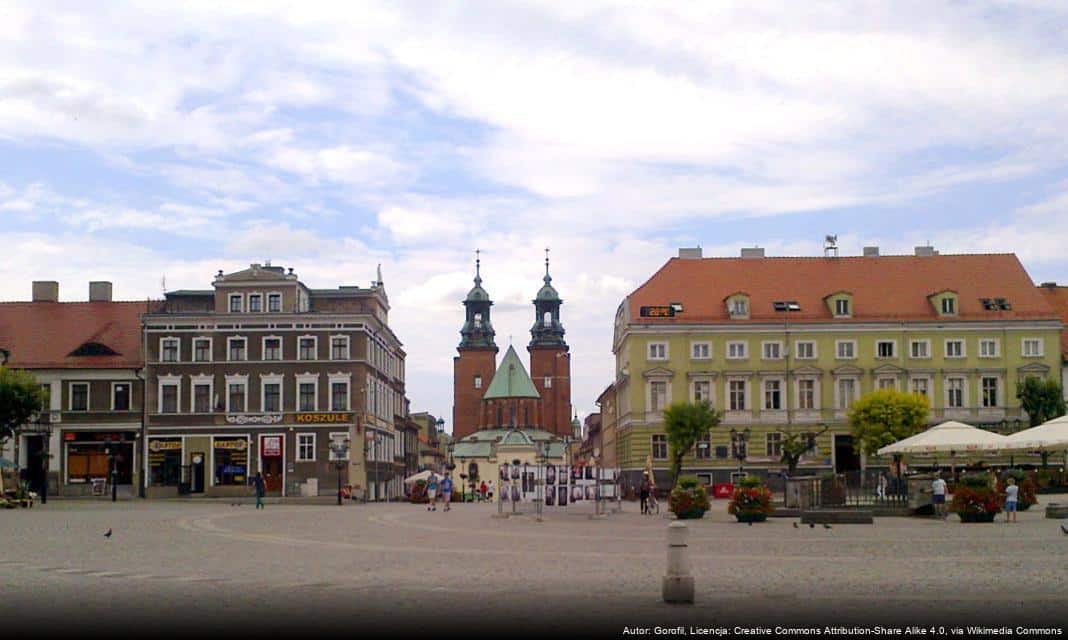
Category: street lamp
[739,445]
[340,449]
[368,452]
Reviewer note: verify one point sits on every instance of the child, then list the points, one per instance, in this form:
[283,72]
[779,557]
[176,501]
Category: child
[1012,492]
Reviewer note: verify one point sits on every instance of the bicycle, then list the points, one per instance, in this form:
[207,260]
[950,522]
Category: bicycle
[652,503]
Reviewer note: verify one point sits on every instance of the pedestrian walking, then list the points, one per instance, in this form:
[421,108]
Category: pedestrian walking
[643,492]
[938,496]
[446,492]
[1012,492]
[483,490]
[489,489]
[880,489]
[260,488]
[432,493]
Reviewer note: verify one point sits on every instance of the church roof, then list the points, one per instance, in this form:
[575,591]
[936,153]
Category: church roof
[511,379]
[481,444]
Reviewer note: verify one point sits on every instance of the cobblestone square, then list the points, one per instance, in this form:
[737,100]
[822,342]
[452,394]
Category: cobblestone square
[171,565]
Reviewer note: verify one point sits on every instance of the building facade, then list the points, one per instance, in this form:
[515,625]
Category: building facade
[263,374]
[87,356]
[1057,297]
[783,345]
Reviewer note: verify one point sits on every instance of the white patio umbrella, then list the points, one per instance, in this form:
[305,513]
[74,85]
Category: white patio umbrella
[422,475]
[1051,435]
[948,437]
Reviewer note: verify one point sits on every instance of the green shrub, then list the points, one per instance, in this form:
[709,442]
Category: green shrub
[689,482]
[975,481]
[751,482]
[688,503]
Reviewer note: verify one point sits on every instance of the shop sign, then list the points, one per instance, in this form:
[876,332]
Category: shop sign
[265,418]
[164,445]
[323,418]
[272,446]
[662,311]
[236,445]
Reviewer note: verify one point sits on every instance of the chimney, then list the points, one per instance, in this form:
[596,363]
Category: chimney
[926,251]
[1049,285]
[99,291]
[45,291]
[871,252]
[693,253]
[752,252]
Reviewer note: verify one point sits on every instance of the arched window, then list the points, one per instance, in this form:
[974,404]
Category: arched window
[478,320]
[547,319]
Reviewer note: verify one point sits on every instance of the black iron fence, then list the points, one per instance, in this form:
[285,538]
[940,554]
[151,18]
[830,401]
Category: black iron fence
[870,489]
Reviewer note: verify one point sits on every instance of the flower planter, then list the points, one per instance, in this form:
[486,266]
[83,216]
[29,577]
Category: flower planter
[690,514]
[1023,506]
[976,517]
[751,517]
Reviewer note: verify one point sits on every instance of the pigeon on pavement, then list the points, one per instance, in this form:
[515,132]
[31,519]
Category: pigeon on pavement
[1064,529]
[826,526]
[812,525]
[108,534]
[750,524]
[795,526]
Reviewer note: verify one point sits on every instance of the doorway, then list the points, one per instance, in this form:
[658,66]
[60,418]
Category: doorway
[846,458]
[35,463]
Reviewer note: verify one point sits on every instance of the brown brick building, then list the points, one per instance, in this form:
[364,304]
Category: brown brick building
[262,374]
[486,396]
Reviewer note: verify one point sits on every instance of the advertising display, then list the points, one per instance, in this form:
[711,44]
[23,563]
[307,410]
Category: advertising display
[557,485]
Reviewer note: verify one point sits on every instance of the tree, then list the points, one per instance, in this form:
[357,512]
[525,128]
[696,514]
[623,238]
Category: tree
[797,444]
[21,398]
[1042,399]
[685,424]
[885,416]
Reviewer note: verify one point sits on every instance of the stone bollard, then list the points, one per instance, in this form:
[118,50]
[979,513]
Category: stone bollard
[678,583]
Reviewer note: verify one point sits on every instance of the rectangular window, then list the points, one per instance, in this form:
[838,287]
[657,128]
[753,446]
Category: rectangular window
[1032,347]
[660,449]
[704,447]
[988,348]
[79,396]
[920,349]
[202,398]
[169,350]
[739,308]
[955,393]
[990,392]
[168,398]
[772,350]
[236,303]
[702,391]
[954,348]
[339,348]
[806,350]
[235,398]
[920,386]
[120,396]
[547,381]
[773,445]
[847,392]
[255,303]
[236,349]
[885,349]
[272,396]
[772,395]
[841,307]
[307,396]
[202,350]
[307,349]
[478,382]
[806,394]
[700,351]
[657,395]
[736,390]
[305,447]
[339,396]
[657,351]
[737,351]
[949,306]
[274,302]
[272,348]
[846,349]
[887,383]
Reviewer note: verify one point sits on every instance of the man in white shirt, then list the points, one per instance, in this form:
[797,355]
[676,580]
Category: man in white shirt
[1012,492]
[938,494]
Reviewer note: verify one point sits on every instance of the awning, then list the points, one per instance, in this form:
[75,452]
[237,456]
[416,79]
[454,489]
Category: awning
[1051,435]
[948,437]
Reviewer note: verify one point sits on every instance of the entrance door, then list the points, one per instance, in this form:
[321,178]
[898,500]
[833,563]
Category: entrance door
[197,474]
[271,462]
[35,463]
[846,458]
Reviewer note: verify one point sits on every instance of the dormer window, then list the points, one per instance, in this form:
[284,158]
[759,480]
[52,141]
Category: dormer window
[949,306]
[738,306]
[841,307]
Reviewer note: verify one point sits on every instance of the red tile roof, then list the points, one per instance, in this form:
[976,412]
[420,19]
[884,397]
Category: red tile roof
[894,288]
[41,335]
[1057,297]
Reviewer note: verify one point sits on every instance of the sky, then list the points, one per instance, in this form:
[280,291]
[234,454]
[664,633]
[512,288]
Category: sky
[152,144]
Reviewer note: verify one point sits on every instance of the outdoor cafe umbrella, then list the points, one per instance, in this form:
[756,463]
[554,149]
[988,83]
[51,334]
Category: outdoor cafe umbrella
[1051,435]
[948,437]
[422,475]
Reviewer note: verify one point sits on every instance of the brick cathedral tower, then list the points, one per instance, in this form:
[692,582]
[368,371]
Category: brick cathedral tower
[550,361]
[473,369]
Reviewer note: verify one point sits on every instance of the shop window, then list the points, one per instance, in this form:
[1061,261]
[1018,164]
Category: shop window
[231,462]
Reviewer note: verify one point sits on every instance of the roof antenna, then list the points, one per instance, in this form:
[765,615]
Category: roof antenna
[163,284]
[830,246]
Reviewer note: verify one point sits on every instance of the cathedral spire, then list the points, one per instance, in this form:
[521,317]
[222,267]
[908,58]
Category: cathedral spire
[477,330]
[547,330]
